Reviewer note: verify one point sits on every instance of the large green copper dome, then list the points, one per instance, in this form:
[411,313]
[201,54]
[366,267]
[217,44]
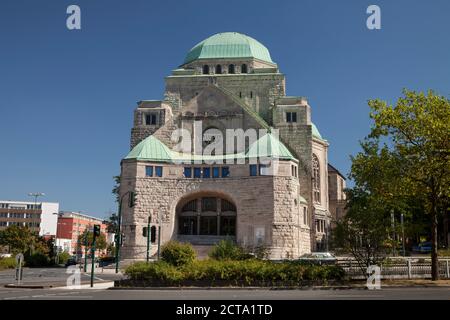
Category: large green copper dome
[228,45]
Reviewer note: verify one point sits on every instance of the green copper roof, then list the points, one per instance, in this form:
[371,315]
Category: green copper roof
[269,146]
[228,45]
[151,149]
[315,132]
[302,200]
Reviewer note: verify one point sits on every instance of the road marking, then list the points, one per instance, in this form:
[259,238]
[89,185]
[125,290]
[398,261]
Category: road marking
[21,297]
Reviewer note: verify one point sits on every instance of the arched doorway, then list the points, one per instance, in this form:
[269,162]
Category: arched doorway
[206,217]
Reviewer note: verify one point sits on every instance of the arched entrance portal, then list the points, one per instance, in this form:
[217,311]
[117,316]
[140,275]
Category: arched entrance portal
[206,217]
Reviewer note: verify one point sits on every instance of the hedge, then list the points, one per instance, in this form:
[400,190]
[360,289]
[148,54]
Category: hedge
[251,272]
[7,263]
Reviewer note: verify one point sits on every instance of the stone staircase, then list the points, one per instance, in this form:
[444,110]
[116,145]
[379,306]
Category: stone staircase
[202,251]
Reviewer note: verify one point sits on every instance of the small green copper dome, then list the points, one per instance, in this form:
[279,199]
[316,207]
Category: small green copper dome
[315,132]
[150,149]
[269,146]
[228,45]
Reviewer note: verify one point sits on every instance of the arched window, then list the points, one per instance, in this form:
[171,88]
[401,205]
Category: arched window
[231,69]
[316,178]
[244,68]
[205,69]
[190,206]
[218,69]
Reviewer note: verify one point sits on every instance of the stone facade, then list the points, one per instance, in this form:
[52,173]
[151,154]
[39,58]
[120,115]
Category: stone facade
[276,210]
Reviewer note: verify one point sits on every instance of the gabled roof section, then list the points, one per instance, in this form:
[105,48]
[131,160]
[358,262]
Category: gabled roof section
[247,109]
[333,169]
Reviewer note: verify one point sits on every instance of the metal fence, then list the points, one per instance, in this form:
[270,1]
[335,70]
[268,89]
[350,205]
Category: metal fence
[406,268]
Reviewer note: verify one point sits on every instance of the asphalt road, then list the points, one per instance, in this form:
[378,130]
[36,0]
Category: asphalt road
[229,294]
[57,277]
[52,276]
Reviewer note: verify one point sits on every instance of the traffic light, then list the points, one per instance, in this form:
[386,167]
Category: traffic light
[96,230]
[132,199]
[144,231]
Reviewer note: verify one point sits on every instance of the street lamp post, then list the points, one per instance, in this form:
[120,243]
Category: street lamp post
[35,195]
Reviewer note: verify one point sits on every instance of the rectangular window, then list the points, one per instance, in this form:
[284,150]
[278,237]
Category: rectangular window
[225,172]
[206,172]
[253,170]
[187,172]
[305,221]
[264,170]
[149,171]
[197,172]
[291,116]
[150,119]
[216,172]
[159,171]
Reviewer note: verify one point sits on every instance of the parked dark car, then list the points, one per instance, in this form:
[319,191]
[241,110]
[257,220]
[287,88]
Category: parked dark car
[72,261]
[423,247]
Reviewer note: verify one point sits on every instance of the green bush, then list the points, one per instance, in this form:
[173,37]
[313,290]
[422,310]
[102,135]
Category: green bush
[63,257]
[7,263]
[177,253]
[227,250]
[37,259]
[234,272]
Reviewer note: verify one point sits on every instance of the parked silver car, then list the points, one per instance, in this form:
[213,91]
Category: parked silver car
[319,258]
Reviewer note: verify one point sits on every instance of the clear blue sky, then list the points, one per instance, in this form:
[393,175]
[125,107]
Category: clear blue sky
[67,97]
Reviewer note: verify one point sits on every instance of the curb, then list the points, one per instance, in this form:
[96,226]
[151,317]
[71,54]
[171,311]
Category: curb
[239,288]
[56,286]
[361,287]
[29,286]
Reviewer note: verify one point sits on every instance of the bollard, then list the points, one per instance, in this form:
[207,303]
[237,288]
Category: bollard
[448,270]
[408,263]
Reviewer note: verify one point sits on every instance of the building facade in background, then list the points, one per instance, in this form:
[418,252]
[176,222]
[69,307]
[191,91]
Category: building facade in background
[227,81]
[70,226]
[40,217]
